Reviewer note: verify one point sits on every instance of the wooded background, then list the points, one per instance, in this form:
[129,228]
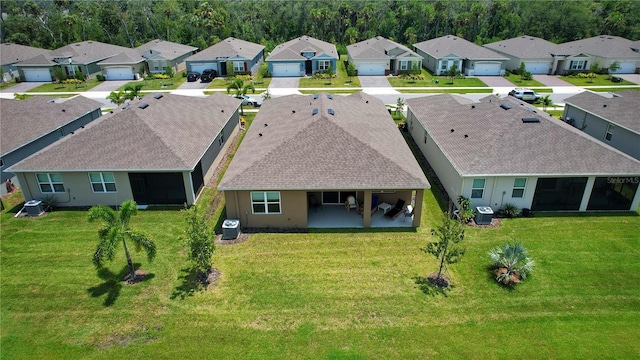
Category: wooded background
[50,24]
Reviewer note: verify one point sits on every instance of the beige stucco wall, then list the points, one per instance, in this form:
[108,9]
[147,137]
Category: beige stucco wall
[293,210]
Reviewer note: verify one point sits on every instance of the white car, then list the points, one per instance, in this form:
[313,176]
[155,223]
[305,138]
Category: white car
[248,100]
[524,94]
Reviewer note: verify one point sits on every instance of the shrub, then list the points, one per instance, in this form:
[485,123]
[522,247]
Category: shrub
[465,212]
[511,263]
[510,210]
[184,74]
[100,77]
[160,76]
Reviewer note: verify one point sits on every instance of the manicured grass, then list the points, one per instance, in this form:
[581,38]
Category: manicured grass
[343,294]
[341,81]
[6,85]
[303,91]
[613,89]
[158,84]
[600,80]
[223,83]
[55,87]
[515,79]
[430,81]
[445,90]
[555,113]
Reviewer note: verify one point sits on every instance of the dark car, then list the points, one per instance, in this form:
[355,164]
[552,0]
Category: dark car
[193,76]
[208,75]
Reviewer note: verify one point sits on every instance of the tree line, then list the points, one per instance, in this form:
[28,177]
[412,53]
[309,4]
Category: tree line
[51,24]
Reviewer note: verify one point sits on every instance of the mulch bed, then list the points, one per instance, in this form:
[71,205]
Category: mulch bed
[141,275]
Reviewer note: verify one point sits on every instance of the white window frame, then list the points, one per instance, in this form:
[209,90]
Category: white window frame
[425,136]
[609,134]
[51,183]
[156,65]
[238,66]
[404,65]
[265,203]
[221,139]
[475,188]
[578,65]
[518,190]
[102,182]
[444,65]
[323,65]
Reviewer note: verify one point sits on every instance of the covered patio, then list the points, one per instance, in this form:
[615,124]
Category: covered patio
[335,216]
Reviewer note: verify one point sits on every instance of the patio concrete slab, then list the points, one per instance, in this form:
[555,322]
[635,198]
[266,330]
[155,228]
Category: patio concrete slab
[551,80]
[335,216]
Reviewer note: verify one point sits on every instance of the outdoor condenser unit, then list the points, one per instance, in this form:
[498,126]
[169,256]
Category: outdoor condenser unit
[484,214]
[34,207]
[230,229]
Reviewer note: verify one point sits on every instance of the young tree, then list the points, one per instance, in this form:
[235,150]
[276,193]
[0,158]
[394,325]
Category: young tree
[453,71]
[168,70]
[546,102]
[239,90]
[399,105]
[330,72]
[59,74]
[199,240]
[230,71]
[446,249]
[351,70]
[132,92]
[615,66]
[117,97]
[511,263]
[115,228]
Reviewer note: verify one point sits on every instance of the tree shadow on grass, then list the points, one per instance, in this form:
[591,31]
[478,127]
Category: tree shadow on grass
[190,284]
[429,288]
[112,284]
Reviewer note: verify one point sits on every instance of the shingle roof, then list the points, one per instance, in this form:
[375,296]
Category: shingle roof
[289,148]
[524,47]
[375,47]
[228,48]
[38,60]
[24,121]
[167,49]
[488,140]
[449,44]
[12,53]
[87,52]
[623,109]
[129,57]
[607,46]
[291,49]
[171,133]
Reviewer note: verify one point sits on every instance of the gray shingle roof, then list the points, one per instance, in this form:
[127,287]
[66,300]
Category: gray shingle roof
[167,49]
[129,57]
[291,49]
[24,121]
[524,47]
[375,47]
[172,133]
[449,44]
[289,148]
[498,142]
[607,46]
[13,53]
[623,109]
[87,52]
[228,48]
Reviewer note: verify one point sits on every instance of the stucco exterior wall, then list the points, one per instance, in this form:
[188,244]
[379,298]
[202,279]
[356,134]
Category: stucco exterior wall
[293,210]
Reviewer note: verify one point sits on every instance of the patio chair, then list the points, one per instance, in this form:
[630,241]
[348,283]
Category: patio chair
[399,208]
[408,212]
[351,203]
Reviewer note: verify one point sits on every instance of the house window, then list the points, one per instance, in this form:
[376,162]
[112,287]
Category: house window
[444,65]
[578,65]
[477,189]
[221,140]
[156,65]
[425,137]
[609,133]
[518,187]
[50,183]
[238,66]
[102,182]
[323,65]
[404,65]
[265,202]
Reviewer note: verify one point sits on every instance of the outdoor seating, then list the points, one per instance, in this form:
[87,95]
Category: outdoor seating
[351,203]
[399,208]
[408,212]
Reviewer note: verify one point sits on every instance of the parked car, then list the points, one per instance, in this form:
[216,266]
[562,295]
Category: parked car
[524,94]
[249,100]
[208,75]
[193,76]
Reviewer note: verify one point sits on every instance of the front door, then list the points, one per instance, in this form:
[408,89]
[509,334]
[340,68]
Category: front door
[308,67]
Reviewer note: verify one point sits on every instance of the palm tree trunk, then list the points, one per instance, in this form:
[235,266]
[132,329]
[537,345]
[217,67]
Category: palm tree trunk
[132,270]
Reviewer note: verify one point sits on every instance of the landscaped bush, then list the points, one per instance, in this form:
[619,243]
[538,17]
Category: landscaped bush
[510,210]
[465,213]
[100,77]
[510,263]
[161,76]
[322,76]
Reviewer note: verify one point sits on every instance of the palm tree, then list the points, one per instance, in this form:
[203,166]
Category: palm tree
[132,92]
[511,262]
[117,98]
[240,89]
[115,228]
[546,102]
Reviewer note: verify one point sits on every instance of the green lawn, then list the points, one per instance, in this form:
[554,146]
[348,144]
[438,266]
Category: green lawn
[55,87]
[445,90]
[223,83]
[430,81]
[515,79]
[600,80]
[612,89]
[341,81]
[158,84]
[6,85]
[323,295]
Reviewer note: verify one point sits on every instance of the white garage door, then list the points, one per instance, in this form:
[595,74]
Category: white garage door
[286,69]
[628,67]
[537,67]
[37,75]
[483,69]
[200,67]
[371,69]
[119,73]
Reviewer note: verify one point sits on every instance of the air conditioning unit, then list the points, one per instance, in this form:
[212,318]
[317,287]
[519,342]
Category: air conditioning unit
[230,229]
[34,208]
[484,214]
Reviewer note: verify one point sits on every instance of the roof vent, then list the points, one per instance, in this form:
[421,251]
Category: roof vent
[466,136]
[473,106]
[330,111]
[143,106]
[452,130]
[260,134]
[265,124]
[63,110]
[530,120]
[221,110]
[158,96]
[505,106]
[605,105]
[366,102]
[315,96]
[329,96]
[126,106]
[293,111]
[314,111]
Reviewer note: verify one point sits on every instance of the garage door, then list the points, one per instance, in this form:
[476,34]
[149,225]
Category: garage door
[286,69]
[482,69]
[371,69]
[199,68]
[119,73]
[37,75]
[628,67]
[537,67]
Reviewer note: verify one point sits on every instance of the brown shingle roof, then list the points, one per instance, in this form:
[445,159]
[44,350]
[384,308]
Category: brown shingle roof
[375,47]
[24,121]
[13,53]
[291,49]
[607,46]
[498,142]
[449,44]
[524,47]
[623,109]
[172,133]
[290,148]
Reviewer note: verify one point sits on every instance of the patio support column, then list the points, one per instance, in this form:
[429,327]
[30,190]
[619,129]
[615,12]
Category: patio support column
[587,193]
[366,210]
[417,214]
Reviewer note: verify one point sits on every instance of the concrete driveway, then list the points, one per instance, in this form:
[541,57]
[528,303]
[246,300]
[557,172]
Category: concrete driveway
[194,85]
[551,80]
[634,78]
[374,82]
[110,85]
[23,87]
[284,82]
[496,81]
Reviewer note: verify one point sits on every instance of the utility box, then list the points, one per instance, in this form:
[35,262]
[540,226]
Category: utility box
[484,214]
[230,229]
[34,208]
